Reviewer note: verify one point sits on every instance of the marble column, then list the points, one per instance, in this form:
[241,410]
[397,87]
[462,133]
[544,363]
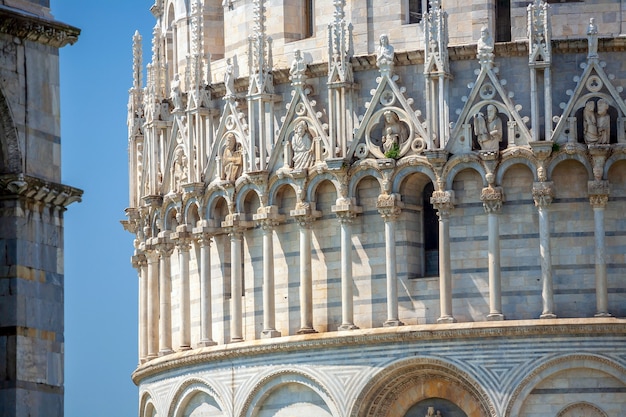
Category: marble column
[184,301]
[140,263]
[443,202]
[206,322]
[543,194]
[347,296]
[269,303]
[236,287]
[306,279]
[492,203]
[165,250]
[389,210]
[599,197]
[152,304]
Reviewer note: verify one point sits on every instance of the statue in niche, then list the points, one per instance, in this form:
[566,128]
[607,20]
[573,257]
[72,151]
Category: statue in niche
[596,126]
[179,168]
[298,67]
[604,122]
[176,94]
[232,158]
[384,58]
[394,131]
[229,78]
[302,146]
[488,132]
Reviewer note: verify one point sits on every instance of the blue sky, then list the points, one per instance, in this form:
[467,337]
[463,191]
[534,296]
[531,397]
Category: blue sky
[100,283]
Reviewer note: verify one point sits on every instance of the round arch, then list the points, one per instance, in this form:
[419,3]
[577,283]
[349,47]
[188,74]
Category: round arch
[316,181]
[147,408]
[187,390]
[275,380]
[451,172]
[395,389]
[567,157]
[504,167]
[552,365]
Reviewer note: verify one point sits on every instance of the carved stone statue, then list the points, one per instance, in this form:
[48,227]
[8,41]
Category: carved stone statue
[488,132]
[592,38]
[298,68]
[384,58]
[302,146]
[179,168]
[176,94]
[394,131]
[232,158]
[596,127]
[229,78]
[485,46]
[603,121]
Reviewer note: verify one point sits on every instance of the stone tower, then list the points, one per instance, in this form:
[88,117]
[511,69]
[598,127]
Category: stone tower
[32,202]
[390,208]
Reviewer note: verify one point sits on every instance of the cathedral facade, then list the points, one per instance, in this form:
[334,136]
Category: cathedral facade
[32,203]
[395,208]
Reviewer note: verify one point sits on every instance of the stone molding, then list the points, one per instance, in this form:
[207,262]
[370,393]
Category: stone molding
[585,405]
[383,335]
[37,29]
[38,191]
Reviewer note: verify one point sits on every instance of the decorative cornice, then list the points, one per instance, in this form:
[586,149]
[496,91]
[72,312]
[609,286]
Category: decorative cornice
[38,191]
[36,29]
[384,335]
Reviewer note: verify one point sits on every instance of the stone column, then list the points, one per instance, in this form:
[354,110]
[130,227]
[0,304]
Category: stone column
[389,209]
[182,244]
[492,203]
[543,194]
[235,227]
[599,197]
[443,202]
[306,279]
[236,288]
[152,304]
[165,249]
[141,264]
[345,211]
[266,218]
[206,322]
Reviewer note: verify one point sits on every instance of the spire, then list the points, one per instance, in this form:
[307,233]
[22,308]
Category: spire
[339,46]
[137,60]
[436,39]
[539,33]
[196,59]
[260,54]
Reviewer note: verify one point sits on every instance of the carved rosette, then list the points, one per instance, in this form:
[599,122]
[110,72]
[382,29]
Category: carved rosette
[598,193]
[492,198]
[543,193]
[443,202]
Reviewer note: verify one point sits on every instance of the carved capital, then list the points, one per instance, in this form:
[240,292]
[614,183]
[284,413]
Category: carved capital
[346,210]
[598,201]
[443,202]
[543,193]
[139,260]
[267,217]
[492,198]
[389,206]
